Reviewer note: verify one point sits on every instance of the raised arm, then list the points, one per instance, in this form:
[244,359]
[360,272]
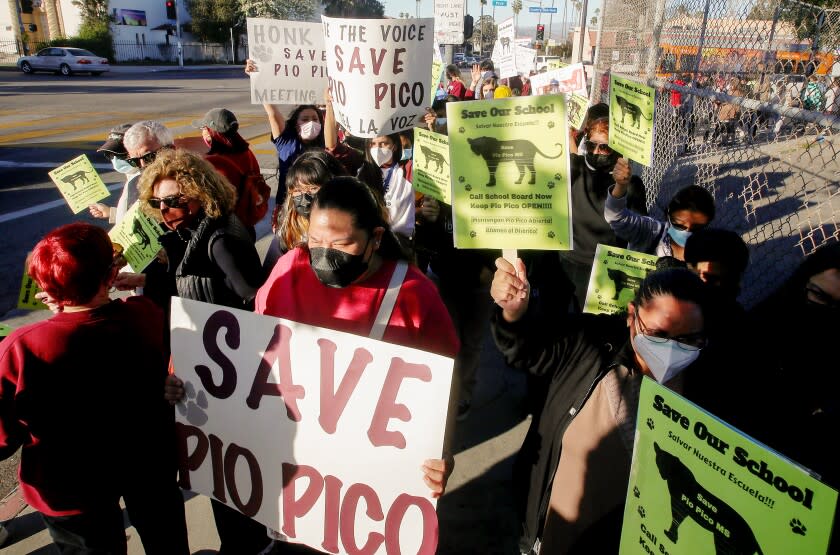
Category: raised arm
[627,224]
[330,124]
[275,118]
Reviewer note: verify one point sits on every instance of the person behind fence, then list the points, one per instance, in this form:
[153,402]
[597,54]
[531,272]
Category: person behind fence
[80,394]
[727,116]
[691,209]
[572,471]
[114,151]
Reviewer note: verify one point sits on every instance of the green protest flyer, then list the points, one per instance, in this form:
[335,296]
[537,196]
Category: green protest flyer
[615,278]
[26,297]
[431,165]
[631,111]
[5,330]
[138,235]
[510,173]
[699,486]
[79,183]
[576,106]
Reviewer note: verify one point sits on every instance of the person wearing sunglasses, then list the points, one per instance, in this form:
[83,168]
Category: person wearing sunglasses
[692,208]
[575,460]
[81,397]
[144,140]
[115,152]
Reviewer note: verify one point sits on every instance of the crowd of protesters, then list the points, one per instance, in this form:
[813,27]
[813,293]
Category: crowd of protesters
[349,229]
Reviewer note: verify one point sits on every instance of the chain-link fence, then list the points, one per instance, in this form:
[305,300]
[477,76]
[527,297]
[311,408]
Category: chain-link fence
[747,106]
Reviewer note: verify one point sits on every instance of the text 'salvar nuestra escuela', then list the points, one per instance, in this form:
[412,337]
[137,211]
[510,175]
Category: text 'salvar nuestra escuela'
[133,21]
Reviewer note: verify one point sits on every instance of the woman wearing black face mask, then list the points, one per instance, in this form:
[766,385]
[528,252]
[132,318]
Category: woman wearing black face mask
[340,277]
[310,170]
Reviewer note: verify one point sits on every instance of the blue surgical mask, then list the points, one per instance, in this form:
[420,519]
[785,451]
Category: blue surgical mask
[122,166]
[440,122]
[679,236]
[407,153]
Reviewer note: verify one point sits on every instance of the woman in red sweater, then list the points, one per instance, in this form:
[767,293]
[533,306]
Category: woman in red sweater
[92,428]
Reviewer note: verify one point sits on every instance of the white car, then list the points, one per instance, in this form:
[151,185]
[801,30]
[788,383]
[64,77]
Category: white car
[64,60]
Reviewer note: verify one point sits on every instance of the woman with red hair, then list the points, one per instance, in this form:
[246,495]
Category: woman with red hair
[92,429]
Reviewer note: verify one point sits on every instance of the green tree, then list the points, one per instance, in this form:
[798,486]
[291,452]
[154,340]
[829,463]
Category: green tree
[354,8]
[212,20]
[295,10]
[92,11]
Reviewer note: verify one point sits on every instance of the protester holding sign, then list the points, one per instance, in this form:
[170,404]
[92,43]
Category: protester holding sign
[80,394]
[346,275]
[575,461]
[692,208]
[114,150]
[210,254]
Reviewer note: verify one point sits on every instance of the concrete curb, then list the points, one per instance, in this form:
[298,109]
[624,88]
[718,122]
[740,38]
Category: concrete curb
[12,505]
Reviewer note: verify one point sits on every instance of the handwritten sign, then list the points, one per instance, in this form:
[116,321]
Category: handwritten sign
[315,433]
[510,185]
[616,276]
[139,237]
[577,106]
[291,60]
[379,72]
[699,486]
[507,49]
[26,296]
[568,79]
[79,183]
[449,21]
[631,115]
[525,59]
[431,165]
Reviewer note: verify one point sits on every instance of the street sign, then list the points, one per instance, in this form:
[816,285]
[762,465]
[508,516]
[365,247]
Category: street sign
[537,9]
[500,2]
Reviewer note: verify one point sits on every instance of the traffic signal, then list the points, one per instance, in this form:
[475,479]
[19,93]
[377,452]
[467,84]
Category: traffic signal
[170,10]
[468,26]
[540,31]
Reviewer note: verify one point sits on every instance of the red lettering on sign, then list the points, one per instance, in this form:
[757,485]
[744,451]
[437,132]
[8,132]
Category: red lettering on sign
[348,519]
[295,508]
[233,453]
[332,501]
[394,521]
[218,321]
[334,401]
[278,348]
[188,462]
[387,407]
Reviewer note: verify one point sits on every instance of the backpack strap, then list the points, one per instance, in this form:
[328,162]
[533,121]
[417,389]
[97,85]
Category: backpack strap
[388,302]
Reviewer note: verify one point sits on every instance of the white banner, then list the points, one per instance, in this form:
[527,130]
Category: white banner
[379,72]
[291,60]
[569,79]
[449,21]
[507,50]
[525,59]
[318,434]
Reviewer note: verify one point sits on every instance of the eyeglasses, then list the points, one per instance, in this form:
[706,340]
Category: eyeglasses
[110,156]
[147,158]
[691,342]
[817,296]
[592,146]
[172,201]
[306,189]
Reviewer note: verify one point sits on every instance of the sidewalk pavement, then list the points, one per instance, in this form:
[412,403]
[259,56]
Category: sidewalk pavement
[476,515]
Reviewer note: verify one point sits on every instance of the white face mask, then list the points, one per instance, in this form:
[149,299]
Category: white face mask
[665,359]
[310,130]
[123,167]
[381,155]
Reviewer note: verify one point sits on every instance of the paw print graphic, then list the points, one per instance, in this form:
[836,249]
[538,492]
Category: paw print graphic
[650,423]
[642,512]
[468,187]
[551,235]
[558,176]
[461,179]
[192,405]
[262,53]
[473,234]
[636,492]
[797,527]
[550,184]
[461,130]
[550,124]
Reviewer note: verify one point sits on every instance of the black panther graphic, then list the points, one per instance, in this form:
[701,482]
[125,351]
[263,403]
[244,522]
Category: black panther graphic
[733,536]
[628,107]
[432,156]
[623,281]
[520,151]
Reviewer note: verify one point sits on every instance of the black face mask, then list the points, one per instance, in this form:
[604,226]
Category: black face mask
[303,204]
[335,268]
[602,162]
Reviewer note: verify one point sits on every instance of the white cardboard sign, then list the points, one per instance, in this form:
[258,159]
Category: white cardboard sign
[449,21]
[291,61]
[507,49]
[318,434]
[379,72]
[570,79]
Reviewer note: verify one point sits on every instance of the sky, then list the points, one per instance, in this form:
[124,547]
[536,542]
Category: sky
[527,20]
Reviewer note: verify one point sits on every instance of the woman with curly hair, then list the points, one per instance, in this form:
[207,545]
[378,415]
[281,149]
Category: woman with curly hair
[210,256]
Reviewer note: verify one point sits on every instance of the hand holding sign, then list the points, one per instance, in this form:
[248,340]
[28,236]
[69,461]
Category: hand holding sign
[510,289]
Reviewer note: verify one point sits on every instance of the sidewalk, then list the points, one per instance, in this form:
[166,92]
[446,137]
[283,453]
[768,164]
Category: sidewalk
[476,515]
